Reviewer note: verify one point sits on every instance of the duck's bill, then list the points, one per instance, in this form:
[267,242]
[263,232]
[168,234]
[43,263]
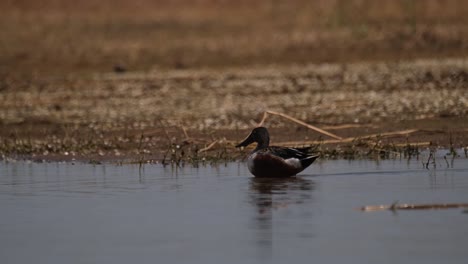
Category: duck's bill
[247,141]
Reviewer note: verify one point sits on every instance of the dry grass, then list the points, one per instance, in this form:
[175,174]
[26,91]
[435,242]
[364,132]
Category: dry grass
[237,98]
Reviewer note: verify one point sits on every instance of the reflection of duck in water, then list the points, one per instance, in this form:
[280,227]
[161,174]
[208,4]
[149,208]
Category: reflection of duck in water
[269,194]
[273,193]
[277,162]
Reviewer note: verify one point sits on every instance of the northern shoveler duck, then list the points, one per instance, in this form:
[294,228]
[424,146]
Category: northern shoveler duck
[271,161]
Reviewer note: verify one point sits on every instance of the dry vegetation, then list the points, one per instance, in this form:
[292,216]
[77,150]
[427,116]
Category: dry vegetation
[162,80]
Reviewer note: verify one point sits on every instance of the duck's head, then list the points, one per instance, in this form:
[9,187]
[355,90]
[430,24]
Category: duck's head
[259,135]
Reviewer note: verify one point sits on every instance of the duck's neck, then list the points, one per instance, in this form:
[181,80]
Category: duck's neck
[263,143]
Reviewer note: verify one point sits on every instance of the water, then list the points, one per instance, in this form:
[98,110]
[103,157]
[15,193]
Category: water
[65,213]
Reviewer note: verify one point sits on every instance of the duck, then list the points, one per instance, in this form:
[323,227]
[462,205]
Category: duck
[267,161]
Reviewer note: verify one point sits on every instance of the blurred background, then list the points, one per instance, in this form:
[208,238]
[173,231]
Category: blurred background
[61,36]
[101,76]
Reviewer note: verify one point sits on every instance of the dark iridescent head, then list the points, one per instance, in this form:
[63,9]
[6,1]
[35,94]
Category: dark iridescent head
[259,135]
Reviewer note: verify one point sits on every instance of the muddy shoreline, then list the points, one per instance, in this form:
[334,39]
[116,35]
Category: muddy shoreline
[381,109]
[220,146]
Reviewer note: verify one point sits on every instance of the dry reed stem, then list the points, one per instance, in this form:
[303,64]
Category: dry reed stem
[299,122]
[165,131]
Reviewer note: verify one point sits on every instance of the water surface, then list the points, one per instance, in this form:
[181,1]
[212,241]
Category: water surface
[80,213]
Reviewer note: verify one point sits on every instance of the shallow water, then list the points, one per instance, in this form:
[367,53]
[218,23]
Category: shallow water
[65,213]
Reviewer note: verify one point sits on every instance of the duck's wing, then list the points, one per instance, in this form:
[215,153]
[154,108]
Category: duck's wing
[298,158]
[290,153]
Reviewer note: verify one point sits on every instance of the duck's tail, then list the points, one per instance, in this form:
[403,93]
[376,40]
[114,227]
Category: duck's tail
[309,150]
[305,162]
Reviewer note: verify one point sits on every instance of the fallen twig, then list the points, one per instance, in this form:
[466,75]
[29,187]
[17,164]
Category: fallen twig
[299,122]
[415,144]
[210,146]
[187,138]
[396,206]
[345,126]
[349,139]
[337,139]
[388,134]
